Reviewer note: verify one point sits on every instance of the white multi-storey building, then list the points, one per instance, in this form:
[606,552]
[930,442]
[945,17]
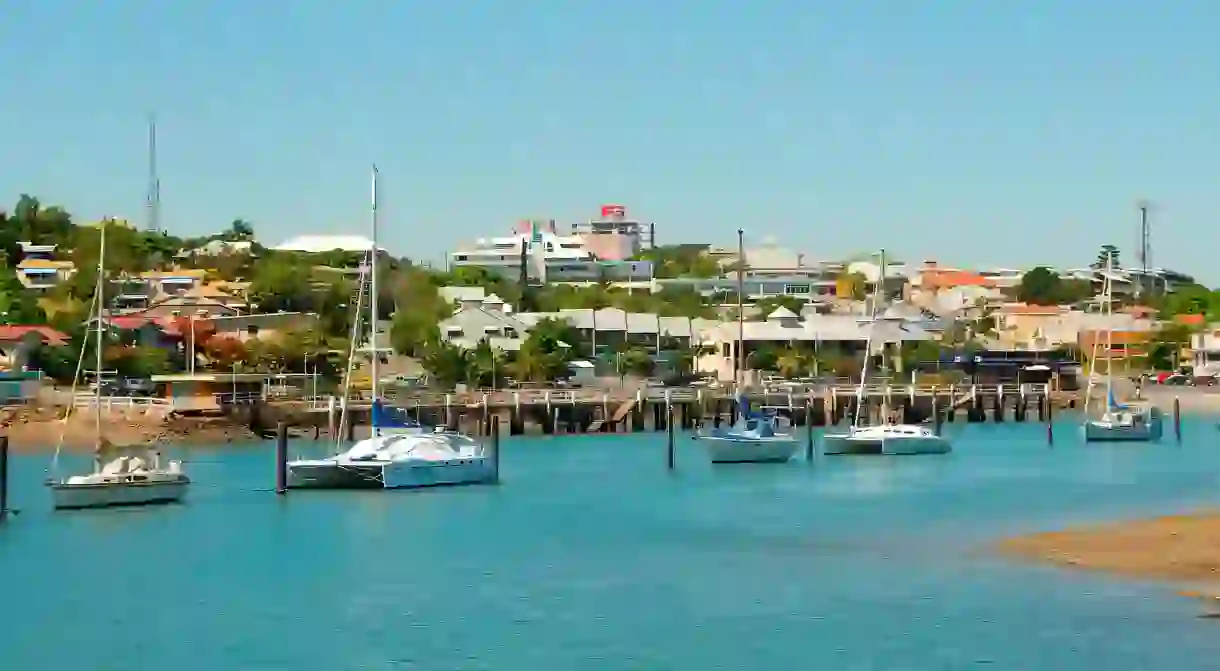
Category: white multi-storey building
[547,255]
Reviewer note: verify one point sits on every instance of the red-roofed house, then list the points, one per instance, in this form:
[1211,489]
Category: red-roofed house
[16,343]
[142,331]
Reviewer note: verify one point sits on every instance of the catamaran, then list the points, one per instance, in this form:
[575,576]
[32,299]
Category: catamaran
[401,453]
[1139,422]
[121,475]
[887,437]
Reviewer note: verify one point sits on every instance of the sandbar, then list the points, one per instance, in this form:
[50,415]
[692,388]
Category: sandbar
[1178,548]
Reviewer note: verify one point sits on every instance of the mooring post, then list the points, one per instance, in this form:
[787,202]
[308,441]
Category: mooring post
[281,458]
[1177,419]
[3,478]
[1050,420]
[809,430]
[936,420]
[669,439]
[495,449]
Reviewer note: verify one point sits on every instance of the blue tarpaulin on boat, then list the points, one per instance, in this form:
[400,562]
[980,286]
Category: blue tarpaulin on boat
[390,417]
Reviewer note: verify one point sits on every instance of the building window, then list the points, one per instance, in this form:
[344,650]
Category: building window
[550,247]
[460,257]
[796,289]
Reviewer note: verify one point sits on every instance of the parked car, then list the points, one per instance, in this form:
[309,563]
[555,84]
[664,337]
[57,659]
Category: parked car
[137,387]
[1176,380]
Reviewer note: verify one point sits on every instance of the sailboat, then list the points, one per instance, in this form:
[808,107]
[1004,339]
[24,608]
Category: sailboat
[887,437]
[756,437]
[121,475]
[401,453]
[1117,422]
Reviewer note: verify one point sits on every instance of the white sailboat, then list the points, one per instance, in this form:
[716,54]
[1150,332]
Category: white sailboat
[401,453]
[1140,422]
[121,476]
[887,437]
[756,437]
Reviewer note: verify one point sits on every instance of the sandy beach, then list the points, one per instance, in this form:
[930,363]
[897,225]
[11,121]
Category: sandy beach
[1179,548]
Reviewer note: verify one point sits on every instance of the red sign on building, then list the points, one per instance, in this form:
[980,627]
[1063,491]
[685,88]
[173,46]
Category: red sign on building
[614,211]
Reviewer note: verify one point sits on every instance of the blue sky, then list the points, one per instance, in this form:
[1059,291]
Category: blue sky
[971,132]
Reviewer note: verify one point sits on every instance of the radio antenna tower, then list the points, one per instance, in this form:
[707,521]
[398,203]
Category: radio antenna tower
[1144,253]
[153,202]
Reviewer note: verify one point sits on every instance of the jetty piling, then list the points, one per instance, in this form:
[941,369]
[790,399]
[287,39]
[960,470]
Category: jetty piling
[809,431]
[670,457]
[1177,419]
[1050,420]
[281,458]
[495,449]
[3,478]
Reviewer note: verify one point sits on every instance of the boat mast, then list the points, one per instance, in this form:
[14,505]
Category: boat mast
[740,363]
[373,306]
[868,348]
[1108,286]
[99,296]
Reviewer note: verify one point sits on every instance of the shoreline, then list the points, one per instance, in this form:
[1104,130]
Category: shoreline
[1181,549]
[38,430]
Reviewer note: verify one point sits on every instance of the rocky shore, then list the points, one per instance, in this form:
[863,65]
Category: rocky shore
[33,429]
[1178,548]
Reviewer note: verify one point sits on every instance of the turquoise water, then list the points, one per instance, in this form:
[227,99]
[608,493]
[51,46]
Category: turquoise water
[591,555]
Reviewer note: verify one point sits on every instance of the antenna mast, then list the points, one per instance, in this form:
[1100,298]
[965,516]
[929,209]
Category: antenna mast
[1145,252]
[153,202]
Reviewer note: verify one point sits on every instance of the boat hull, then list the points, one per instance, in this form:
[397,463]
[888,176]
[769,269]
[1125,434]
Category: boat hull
[898,445]
[67,496]
[1101,432]
[408,474]
[736,451]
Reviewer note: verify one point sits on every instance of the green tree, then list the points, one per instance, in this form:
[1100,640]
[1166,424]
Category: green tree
[413,328]
[792,363]
[1040,286]
[239,230]
[17,305]
[487,366]
[671,261]
[282,284]
[447,364]
[1191,299]
[138,362]
[851,285]
[1164,352]
[763,357]
[57,362]
[636,361]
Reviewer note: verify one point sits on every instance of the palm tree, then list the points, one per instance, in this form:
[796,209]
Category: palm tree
[486,365]
[790,363]
[532,365]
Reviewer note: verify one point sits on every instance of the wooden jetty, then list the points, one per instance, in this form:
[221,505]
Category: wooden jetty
[560,411]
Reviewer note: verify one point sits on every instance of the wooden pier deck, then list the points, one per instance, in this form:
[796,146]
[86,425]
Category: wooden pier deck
[551,411]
